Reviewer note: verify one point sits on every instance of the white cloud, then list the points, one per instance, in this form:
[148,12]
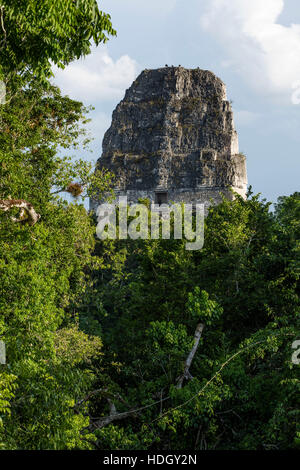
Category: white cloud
[264,52]
[97,77]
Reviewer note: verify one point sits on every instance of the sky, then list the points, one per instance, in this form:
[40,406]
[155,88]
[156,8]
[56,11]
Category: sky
[252,45]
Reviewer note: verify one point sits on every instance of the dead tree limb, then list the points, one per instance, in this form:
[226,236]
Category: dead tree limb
[113,413]
[106,420]
[99,423]
[89,396]
[186,373]
[27,212]
[2,24]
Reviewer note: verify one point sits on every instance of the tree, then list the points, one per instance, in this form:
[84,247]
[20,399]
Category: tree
[46,244]
[243,287]
[42,271]
[37,124]
[35,34]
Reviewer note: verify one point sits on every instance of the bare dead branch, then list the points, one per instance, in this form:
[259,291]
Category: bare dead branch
[106,420]
[186,374]
[115,416]
[2,23]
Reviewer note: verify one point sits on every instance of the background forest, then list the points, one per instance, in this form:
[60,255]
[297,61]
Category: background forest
[98,333]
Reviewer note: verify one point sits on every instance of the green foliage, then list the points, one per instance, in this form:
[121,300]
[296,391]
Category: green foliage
[166,348]
[43,271]
[202,308]
[35,34]
[36,124]
[7,387]
[42,277]
[243,286]
[98,333]
[74,347]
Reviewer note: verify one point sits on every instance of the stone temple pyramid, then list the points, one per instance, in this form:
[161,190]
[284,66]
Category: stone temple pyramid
[172,139]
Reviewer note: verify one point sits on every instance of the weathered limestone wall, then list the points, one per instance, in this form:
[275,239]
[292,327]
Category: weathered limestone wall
[174,133]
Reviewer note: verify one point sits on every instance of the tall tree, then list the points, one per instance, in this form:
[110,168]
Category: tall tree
[37,33]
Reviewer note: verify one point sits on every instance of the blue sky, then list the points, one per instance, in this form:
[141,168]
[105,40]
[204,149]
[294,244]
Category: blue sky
[252,45]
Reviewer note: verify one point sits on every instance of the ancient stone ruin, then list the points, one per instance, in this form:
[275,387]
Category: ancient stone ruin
[172,139]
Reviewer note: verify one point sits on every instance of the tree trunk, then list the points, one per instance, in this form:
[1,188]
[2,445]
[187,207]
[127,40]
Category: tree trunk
[186,374]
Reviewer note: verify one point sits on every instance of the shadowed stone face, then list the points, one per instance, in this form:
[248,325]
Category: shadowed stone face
[173,133]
